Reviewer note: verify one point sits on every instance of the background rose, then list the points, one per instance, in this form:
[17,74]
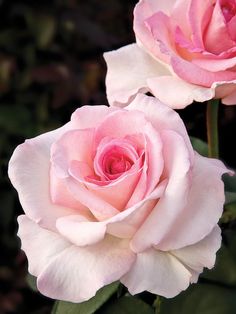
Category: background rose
[117,194]
[185,48]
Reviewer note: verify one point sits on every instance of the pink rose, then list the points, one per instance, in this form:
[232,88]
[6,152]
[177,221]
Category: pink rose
[185,51]
[117,194]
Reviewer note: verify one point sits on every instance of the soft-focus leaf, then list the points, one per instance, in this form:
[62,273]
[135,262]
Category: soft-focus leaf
[230,197]
[229,213]
[6,209]
[230,183]
[199,145]
[15,121]
[127,305]
[89,306]
[225,268]
[201,299]
[31,280]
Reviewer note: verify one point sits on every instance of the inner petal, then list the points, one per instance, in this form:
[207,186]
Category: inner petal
[228,8]
[114,157]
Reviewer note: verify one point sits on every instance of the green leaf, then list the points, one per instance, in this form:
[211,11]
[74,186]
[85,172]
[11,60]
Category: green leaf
[31,280]
[202,299]
[127,305]
[230,197]
[88,307]
[200,146]
[229,213]
[230,183]
[225,268]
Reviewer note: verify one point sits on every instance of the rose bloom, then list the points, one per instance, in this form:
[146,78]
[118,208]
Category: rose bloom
[117,194]
[185,51]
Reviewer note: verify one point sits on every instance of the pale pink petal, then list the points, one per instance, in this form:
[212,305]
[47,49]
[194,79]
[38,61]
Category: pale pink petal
[99,207]
[201,254]
[29,170]
[143,10]
[126,223]
[217,38]
[40,245]
[121,86]
[215,65]
[120,124]
[79,272]
[73,145]
[160,116]
[159,25]
[88,117]
[179,17]
[61,196]
[199,15]
[230,99]
[204,205]
[226,91]
[185,69]
[118,193]
[81,231]
[157,272]
[177,93]
[163,217]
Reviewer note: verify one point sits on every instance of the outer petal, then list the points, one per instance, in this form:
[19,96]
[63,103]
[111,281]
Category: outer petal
[78,273]
[29,173]
[163,217]
[80,231]
[157,272]
[143,10]
[69,272]
[161,116]
[121,86]
[226,91]
[204,207]
[40,245]
[90,116]
[184,70]
[177,93]
[201,254]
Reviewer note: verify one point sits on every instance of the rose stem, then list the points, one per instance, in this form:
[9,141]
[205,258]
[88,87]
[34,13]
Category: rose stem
[212,128]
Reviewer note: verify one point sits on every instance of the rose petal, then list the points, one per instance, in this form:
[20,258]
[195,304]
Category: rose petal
[199,15]
[157,272]
[126,223]
[184,70]
[217,38]
[121,86]
[29,173]
[165,88]
[200,255]
[78,273]
[160,116]
[40,245]
[99,207]
[143,10]
[163,217]
[73,145]
[88,117]
[80,231]
[204,207]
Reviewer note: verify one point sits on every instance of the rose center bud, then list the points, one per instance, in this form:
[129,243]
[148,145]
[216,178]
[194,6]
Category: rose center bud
[228,9]
[116,165]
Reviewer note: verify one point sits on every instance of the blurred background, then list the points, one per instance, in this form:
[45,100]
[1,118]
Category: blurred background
[51,63]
